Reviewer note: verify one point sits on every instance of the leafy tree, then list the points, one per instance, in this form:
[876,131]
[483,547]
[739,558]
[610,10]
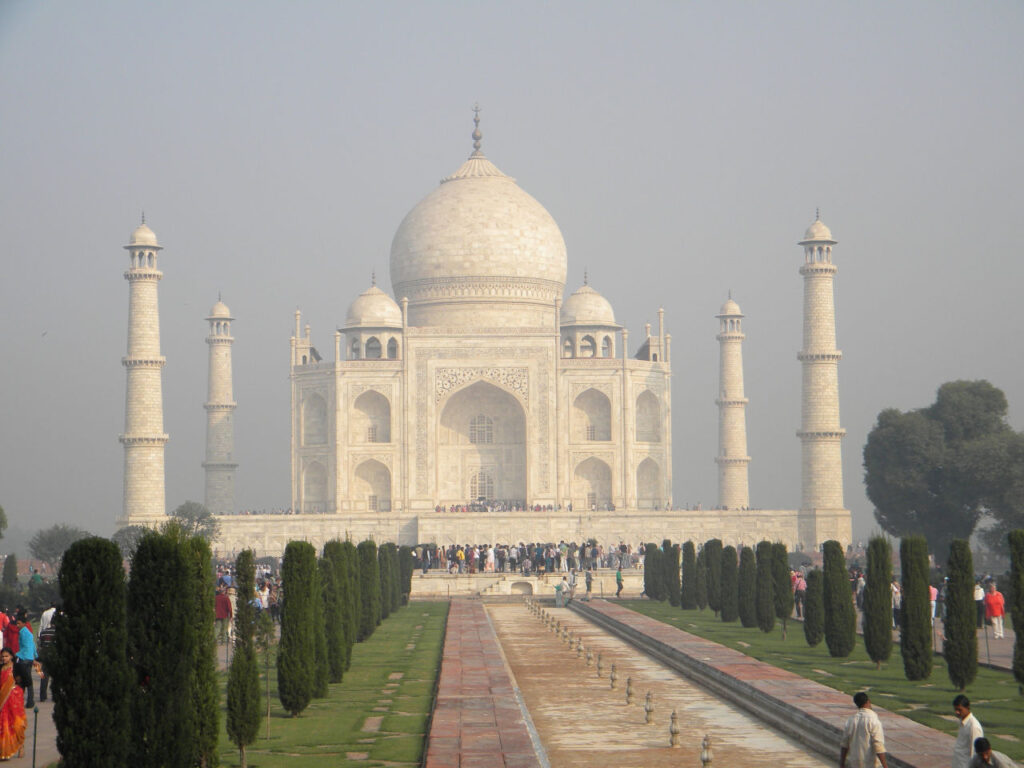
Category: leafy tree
[128,538]
[730,585]
[713,561]
[653,581]
[782,586]
[814,608]
[960,643]
[243,700]
[915,609]
[369,589]
[49,544]
[90,655]
[162,647]
[840,615]
[933,471]
[878,601]
[670,569]
[747,588]
[11,570]
[688,592]
[332,577]
[322,673]
[764,601]
[197,520]
[296,658]
[1016,606]
[701,581]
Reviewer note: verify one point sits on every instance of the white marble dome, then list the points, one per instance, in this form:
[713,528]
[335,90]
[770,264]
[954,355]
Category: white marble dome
[220,310]
[143,235]
[818,232]
[587,307]
[730,308]
[478,250]
[373,309]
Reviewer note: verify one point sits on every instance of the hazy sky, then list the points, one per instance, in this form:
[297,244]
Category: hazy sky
[681,147]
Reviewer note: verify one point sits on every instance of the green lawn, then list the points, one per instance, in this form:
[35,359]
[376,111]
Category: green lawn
[994,696]
[331,728]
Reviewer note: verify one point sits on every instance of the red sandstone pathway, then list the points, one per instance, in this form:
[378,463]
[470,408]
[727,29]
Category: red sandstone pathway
[477,722]
[912,742]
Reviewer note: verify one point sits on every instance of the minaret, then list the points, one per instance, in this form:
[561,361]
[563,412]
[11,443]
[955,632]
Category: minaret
[732,459]
[820,433]
[220,410]
[143,438]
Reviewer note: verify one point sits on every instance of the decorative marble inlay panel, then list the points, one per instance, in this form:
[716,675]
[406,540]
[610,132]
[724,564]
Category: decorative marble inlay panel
[447,380]
[355,390]
[580,387]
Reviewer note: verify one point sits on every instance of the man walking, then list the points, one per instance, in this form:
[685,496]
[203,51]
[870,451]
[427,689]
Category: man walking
[26,658]
[618,581]
[863,741]
[970,731]
[590,583]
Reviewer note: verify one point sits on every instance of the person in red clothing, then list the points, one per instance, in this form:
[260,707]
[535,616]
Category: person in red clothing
[995,609]
[10,631]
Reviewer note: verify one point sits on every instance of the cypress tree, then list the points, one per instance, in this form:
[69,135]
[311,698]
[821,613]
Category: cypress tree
[1016,600]
[670,555]
[335,609]
[205,685]
[960,644]
[162,645]
[730,585]
[814,608]
[915,609]
[296,657]
[653,581]
[405,567]
[350,566]
[701,581]
[840,615]
[396,577]
[747,588]
[322,673]
[782,586]
[688,591]
[764,587]
[713,561]
[878,602]
[369,589]
[384,568]
[11,570]
[89,655]
[243,700]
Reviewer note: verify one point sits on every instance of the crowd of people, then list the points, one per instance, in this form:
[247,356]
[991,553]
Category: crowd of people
[533,558]
[20,657]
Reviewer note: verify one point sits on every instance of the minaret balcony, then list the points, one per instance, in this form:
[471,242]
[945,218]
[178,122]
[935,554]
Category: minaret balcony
[221,406]
[143,274]
[819,268]
[732,401]
[143,439]
[220,339]
[819,357]
[732,459]
[143,362]
[833,434]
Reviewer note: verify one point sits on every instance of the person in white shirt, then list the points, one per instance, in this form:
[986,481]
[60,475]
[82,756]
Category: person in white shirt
[47,617]
[970,729]
[863,742]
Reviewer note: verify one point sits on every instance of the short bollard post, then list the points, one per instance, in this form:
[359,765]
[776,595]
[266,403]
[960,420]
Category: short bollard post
[629,691]
[673,730]
[579,647]
[648,707]
[600,664]
[612,677]
[705,751]
[590,658]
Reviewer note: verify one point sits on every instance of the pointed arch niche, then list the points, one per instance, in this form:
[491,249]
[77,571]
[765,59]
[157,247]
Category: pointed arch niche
[371,418]
[371,486]
[649,485]
[591,417]
[592,484]
[648,418]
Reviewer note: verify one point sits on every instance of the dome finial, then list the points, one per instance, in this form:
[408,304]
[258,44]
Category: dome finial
[477,136]
[817,214]
[373,277]
[143,216]
[730,293]
[586,276]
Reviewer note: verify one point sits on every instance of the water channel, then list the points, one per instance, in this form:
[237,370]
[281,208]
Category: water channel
[581,721]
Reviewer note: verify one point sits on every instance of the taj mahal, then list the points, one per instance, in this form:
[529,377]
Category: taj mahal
[478,403]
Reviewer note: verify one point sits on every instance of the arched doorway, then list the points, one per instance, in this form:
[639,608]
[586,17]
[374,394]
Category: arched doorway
[648,418]
[591,417]
[372,486]
[481,437]
[592,485]
[371,418]
[649,485]
[314,488]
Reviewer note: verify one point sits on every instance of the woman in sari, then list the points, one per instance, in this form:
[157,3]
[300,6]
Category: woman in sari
[12,709]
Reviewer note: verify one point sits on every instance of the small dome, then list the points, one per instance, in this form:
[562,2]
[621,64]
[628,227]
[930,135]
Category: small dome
[220,310]
[818,232]
[730,308]
[143,235]
[587,307]
[374,309]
